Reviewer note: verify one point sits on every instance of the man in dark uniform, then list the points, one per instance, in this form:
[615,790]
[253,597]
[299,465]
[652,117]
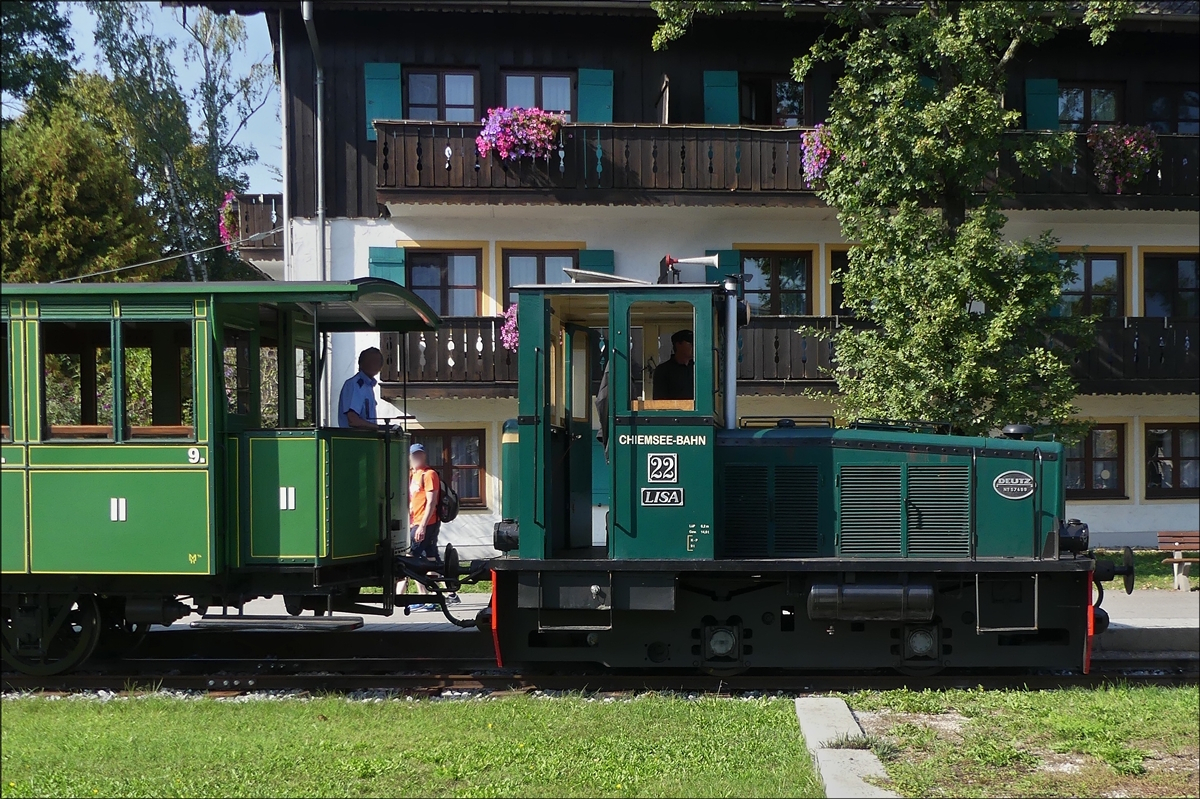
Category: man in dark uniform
[676,378]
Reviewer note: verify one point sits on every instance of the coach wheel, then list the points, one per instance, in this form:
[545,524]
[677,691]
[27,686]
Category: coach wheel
[118,635]
[47,634]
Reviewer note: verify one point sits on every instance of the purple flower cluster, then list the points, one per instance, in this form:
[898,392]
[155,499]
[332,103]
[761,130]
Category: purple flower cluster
[509,335]
[228,222]
[1122,154]
[516,132]
[815,144]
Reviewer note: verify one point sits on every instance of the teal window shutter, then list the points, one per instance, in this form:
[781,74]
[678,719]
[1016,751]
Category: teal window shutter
[597,261]
[721,97]
[595,95]
[387,263]
[729,262]
[383,94]
[1041,104]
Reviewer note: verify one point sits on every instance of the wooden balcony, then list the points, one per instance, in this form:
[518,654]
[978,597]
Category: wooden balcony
[782,355]
[462,358]
[259,213]
[1139,355]
[596,164]
[1174,186]
[647,164]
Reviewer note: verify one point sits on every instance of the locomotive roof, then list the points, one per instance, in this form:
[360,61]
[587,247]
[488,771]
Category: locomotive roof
[341,306]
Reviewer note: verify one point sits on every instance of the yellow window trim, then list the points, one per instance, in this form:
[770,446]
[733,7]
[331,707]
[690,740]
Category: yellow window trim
[1155,249]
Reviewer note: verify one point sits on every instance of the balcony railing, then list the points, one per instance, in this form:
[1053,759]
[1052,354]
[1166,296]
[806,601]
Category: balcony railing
[593,160]
[780,355]
[259,213]
[699,164]
[1074,185]
[464,351]
[1136,355]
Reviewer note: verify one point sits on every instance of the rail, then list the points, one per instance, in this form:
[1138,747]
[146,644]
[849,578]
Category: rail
[701,164]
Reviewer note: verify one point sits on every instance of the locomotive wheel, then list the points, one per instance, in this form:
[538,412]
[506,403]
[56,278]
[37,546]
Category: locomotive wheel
[920,671]
[48,634]
[732,671]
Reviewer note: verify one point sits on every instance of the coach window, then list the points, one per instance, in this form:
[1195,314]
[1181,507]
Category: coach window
[157,376]
[304,386]
[77,380]
[5,385]
[663,368]
[1096,465]
[236,362]
[458,457]
[1173,461]
[268,367]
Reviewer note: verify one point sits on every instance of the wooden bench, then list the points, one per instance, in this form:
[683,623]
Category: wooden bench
[1180,543]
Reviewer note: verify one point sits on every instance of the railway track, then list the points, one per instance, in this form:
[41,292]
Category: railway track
[431,677]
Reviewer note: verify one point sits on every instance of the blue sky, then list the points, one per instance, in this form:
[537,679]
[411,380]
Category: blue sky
[263,130]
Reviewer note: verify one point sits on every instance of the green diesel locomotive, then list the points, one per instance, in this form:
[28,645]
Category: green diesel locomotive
[161,457]
[730,545]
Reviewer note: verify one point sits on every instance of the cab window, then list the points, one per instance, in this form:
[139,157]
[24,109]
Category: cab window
[662,359]
[77,380]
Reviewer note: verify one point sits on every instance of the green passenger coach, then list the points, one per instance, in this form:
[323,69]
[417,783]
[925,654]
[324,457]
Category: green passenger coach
[161,455]
[732,543]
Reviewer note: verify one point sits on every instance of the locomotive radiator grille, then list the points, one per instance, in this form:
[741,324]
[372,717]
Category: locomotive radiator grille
[796,531]
[747,511]
[870,520]
[939,511]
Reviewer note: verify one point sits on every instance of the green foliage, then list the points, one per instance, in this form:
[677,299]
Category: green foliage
[35,48]
[70,204]
[516,746]
[185,172]
[956,322]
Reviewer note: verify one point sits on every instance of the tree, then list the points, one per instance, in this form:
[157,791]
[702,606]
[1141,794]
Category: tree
[956,320]
[70,203]
[186,171]
[35,51]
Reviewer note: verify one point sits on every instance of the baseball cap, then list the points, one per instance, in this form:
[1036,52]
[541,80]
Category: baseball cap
[415,448]
[681,335]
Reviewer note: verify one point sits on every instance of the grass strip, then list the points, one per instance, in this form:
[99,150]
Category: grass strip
[1114,741]
[512,746]
[1149,568]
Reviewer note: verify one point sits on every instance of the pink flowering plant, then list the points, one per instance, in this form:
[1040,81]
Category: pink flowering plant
[509,335]
[1122,154]
[815,145]
[516,132]
[228,222]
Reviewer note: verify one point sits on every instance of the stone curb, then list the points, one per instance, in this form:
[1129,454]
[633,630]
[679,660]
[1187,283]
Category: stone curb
[822,719]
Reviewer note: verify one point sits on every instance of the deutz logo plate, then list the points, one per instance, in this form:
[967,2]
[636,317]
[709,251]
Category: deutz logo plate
[662,497]
[1014,485]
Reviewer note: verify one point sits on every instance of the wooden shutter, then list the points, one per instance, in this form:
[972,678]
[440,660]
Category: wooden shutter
[721,97]
[387,263]
[597,261]
[1041,104]
[595,95]
[383,94]
[728,262]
